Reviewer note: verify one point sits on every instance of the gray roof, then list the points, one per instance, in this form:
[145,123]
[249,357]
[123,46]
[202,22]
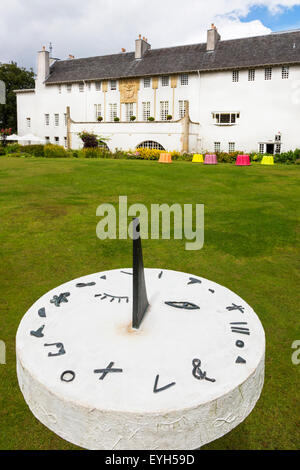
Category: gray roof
[272,49]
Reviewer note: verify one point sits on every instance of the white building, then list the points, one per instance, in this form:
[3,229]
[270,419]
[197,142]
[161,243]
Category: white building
[240,94]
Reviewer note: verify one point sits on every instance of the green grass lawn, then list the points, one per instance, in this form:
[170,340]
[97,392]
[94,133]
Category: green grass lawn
[48,236]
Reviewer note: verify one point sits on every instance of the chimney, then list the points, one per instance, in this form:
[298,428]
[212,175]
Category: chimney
[43,64]
[213,37]
[141,47]
[123,50]
[71,57]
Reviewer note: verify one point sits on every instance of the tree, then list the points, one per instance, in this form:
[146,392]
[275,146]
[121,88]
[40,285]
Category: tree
[15,78]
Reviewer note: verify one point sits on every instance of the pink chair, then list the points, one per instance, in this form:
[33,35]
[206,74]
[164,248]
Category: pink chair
[243,160]
[210,160]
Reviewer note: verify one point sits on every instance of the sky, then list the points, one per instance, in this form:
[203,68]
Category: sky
[97,27]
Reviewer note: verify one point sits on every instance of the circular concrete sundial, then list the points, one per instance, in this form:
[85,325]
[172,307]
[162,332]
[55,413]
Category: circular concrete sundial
[141,359]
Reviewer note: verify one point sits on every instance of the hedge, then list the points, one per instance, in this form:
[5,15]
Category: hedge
[57,151]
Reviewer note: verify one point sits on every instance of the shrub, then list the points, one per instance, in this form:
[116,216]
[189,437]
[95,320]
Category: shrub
[147,154]
[55,151]
[95,153]
[132,118]
[34,150]
[286,157]
[151,118]
[12,148]
[116,119]
[17,154]
[169,117]
[89,139]
[99,118]
[2,151]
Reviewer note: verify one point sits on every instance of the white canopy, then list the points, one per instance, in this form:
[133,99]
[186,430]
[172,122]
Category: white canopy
[13,137]
[30,138]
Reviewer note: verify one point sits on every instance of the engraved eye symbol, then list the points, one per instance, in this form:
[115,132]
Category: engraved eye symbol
[112,298]
[183,305]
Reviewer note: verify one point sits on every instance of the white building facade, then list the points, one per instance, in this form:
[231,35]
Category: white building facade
[232,95]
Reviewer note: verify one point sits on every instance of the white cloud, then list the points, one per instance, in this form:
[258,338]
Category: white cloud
[96,27]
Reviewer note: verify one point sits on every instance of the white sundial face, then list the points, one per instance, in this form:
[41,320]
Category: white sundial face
[198,342]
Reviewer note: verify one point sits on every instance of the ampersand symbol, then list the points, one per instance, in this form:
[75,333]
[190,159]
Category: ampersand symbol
[197,372]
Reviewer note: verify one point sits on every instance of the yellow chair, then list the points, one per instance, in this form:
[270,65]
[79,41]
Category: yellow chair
[197,158]
[267,161]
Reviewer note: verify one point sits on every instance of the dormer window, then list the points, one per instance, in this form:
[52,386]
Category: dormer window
[81,87]
[268,73]
[147,82]
[226,119]
[184,79]
[285,73]
[235,75]
[165,79]
[98,86]
[113,84]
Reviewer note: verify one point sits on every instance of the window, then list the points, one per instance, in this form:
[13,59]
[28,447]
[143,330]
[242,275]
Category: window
[261,148]
[81,87]
[56,140]
[182,108]
[235,76]
[56,120]
[150,144]
[98,86]
[28,122]
[184,79]
[285,73]
[47,139]
[88,86]
[65,119]
[65,142]
[217,146]
[112,111]
[47,119]
[164,110]
[69,87]
[226,118]
[98,111]
[231,147]
[251,75]
[165,80]
[278,138]
[268,73]
[113,84]
[129,111]
[146,110]
[278,148]
[59,89]
[147,82]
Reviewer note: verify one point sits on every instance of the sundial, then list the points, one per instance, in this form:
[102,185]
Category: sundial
[137,358]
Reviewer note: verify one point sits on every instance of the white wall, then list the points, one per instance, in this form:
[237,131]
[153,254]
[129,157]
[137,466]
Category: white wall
[266,107]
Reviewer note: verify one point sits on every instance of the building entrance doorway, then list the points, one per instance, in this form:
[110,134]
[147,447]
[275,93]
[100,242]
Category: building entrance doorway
[270,148]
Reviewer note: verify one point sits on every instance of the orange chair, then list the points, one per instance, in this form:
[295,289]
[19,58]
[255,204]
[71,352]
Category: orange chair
[165,158]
